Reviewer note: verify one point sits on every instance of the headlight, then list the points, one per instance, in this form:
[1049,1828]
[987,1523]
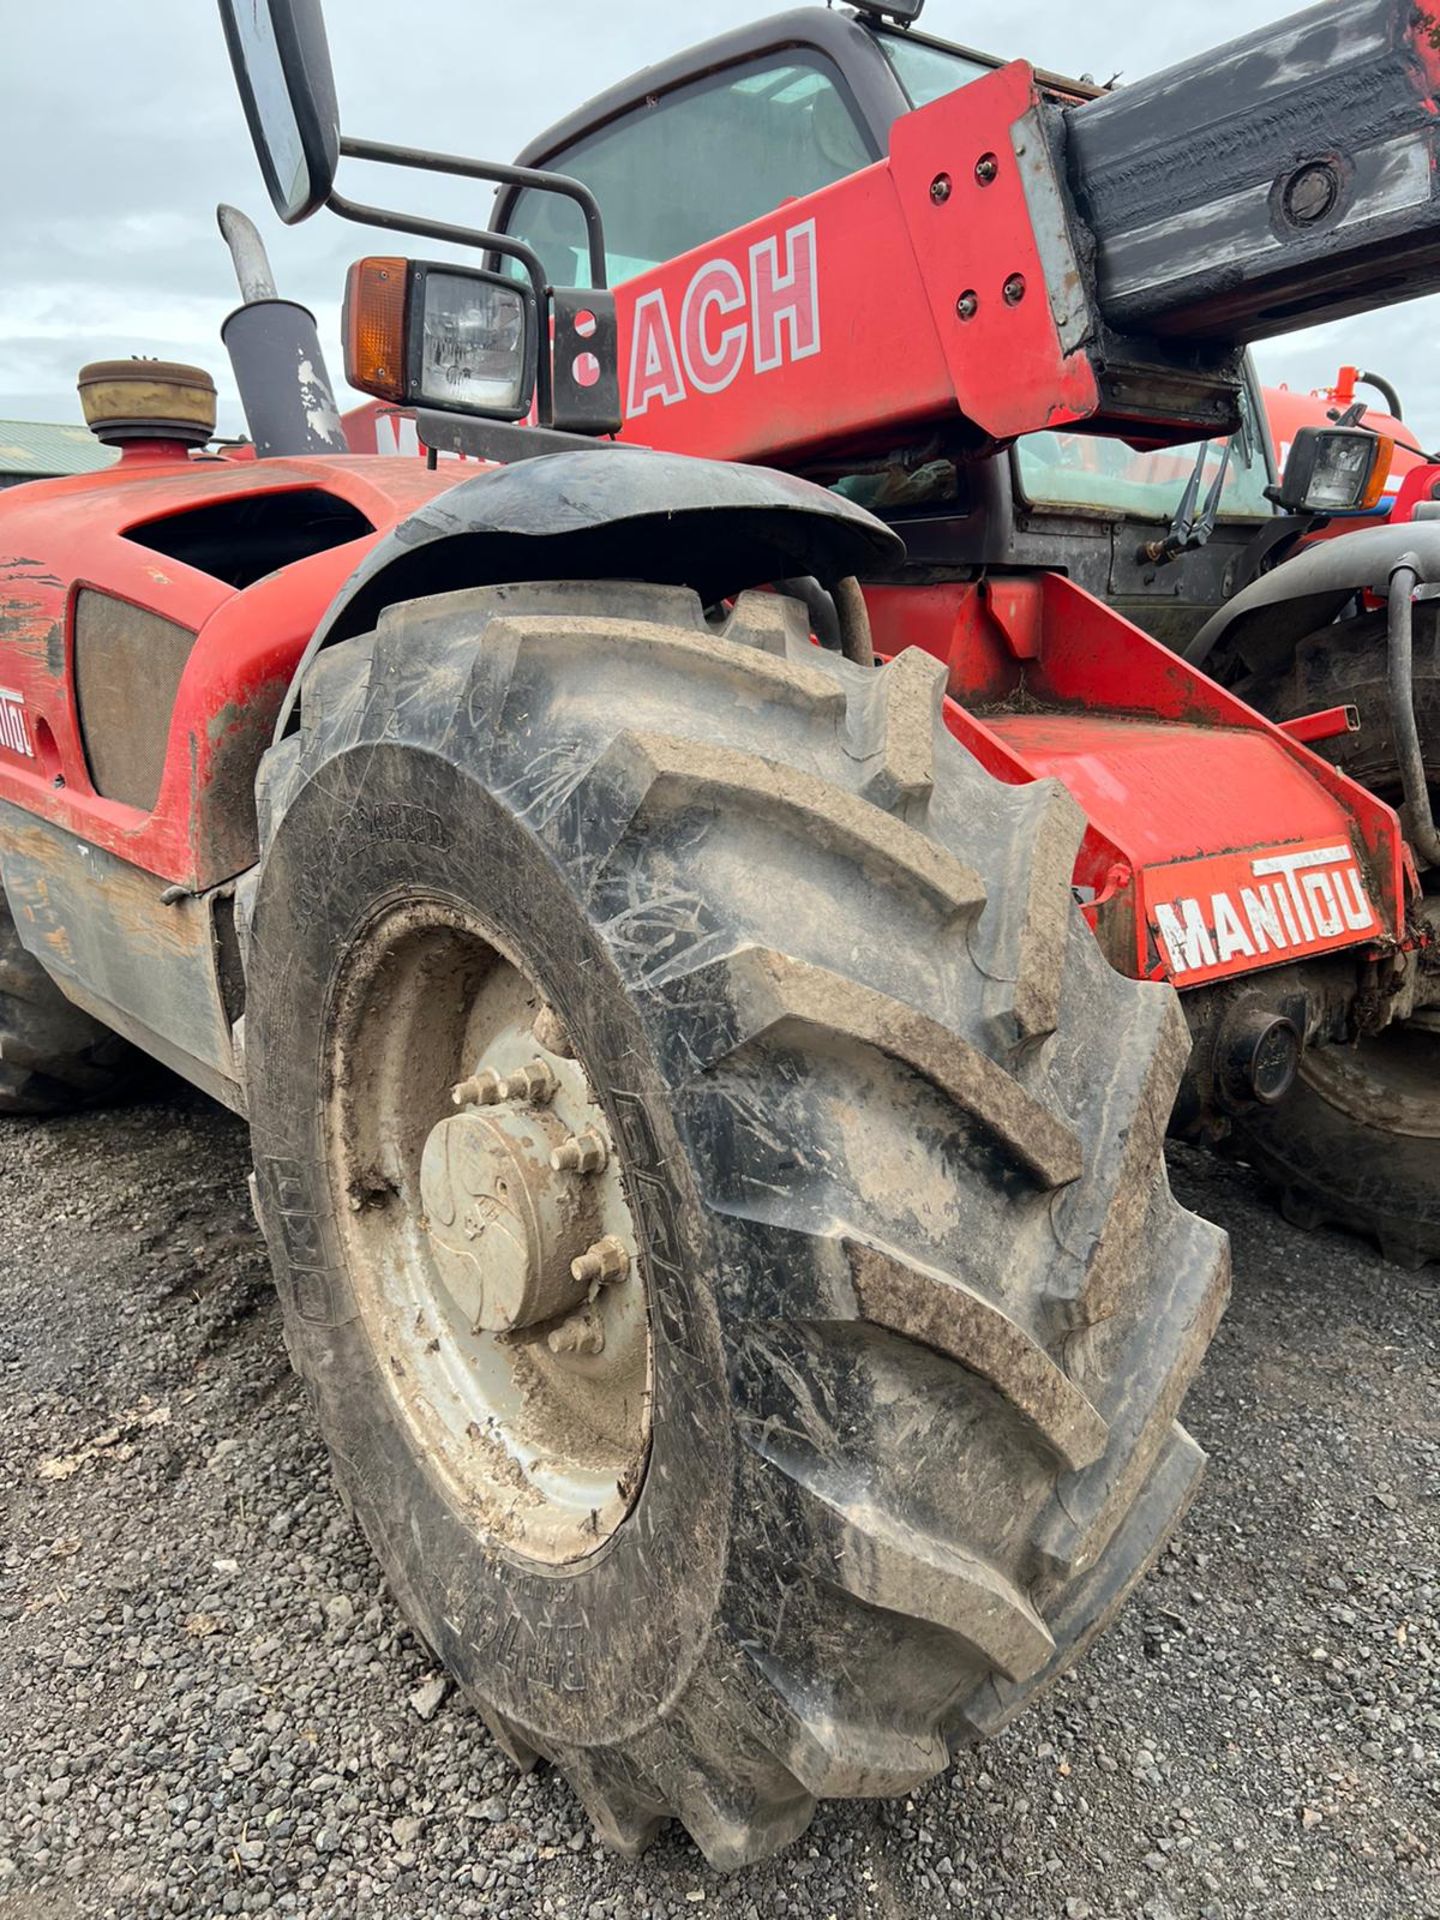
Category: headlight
[472,343]
[1335,470]
[457,338]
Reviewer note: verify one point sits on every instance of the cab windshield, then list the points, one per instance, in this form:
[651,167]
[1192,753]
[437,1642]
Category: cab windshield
[1078,470]
[928,72]
[680,170]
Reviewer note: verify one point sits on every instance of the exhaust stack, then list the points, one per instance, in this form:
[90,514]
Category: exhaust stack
[275,352]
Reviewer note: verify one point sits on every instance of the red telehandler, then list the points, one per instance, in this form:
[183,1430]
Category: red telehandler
[708,1029]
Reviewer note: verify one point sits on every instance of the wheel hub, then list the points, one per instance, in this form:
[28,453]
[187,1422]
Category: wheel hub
[506,1224]
[488,1233]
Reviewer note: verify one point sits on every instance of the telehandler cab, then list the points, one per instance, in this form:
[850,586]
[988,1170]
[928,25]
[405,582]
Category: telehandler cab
[708,1088]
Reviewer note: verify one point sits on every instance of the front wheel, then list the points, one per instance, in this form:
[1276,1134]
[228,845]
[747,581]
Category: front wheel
[716,1188]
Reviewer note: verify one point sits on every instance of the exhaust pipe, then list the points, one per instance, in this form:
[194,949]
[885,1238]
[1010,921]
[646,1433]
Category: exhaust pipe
[276,356]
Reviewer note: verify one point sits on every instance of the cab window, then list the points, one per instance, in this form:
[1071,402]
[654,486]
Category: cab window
[928,72]
[695,163]
[1107,476]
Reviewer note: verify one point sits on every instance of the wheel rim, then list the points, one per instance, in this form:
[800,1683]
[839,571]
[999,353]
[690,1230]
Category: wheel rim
[1389,1082]
[487,1235]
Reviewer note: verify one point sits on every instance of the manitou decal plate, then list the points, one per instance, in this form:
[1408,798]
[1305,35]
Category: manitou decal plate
[1230,913]
[14,727]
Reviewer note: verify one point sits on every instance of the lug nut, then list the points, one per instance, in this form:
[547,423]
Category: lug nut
[549,1031]
[940,189]
[986,169]
[481,1090]
[601,1265]
[535,1083]
[1014,289]
[585,1152]
[581,1333]
[968,305]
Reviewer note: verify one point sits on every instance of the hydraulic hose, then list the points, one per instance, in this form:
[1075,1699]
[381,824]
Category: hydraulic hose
[820,605]
[1387,393]
[839,618]
[856,641]
[1404,578]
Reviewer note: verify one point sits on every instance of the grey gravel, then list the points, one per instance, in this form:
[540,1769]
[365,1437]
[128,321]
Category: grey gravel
[425,1701]
[209,1705]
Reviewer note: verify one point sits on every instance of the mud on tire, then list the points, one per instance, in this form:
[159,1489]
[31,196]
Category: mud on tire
[922,1306]
[53,1057]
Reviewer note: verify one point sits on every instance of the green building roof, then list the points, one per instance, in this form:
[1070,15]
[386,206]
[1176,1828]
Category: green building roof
[34,450]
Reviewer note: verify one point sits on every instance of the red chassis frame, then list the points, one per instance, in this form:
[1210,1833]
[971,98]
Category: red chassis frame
[888,300]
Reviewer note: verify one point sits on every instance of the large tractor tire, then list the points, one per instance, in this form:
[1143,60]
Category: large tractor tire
[814,1400]
[53,1057]
[1357,1142]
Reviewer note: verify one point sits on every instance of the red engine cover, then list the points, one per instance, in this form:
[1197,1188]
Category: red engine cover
[59,536]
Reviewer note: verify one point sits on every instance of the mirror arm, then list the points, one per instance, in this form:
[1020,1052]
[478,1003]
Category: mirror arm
[505,176]
[488,242]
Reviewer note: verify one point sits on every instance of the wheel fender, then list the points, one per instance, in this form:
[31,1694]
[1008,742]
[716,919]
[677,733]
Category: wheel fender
[609,513]
[1307,591]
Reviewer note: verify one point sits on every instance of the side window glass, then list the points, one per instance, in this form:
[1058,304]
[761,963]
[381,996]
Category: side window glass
[695,163]
[928,73]
[1107,476]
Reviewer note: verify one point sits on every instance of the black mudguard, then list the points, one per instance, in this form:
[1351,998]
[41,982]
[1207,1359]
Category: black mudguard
[609,513]
[1310,590]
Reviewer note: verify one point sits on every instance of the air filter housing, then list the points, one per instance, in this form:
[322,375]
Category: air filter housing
[147,400]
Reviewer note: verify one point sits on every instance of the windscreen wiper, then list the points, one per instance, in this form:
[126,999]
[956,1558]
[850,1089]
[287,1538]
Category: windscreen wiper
[1189,529]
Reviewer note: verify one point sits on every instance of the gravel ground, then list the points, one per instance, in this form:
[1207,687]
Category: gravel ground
[208,1704]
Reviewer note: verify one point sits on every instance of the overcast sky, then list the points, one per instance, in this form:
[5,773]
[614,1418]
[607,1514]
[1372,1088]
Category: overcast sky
[120,130]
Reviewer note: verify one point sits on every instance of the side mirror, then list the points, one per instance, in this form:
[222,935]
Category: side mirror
[426,334]
[1334,470]
[448,338]
[282,68]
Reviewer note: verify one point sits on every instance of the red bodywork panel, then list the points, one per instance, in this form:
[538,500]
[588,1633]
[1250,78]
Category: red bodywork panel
[837,320]
[1185,788]
[59,536]
[1420,482]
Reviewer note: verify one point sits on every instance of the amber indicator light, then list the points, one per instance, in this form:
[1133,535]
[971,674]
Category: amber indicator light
[376,292]
[1379,473]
